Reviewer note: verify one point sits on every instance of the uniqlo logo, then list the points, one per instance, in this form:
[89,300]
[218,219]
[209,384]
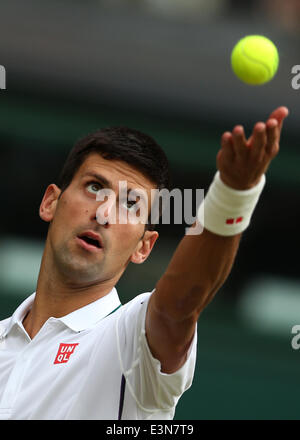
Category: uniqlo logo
[230,221]
[64,353]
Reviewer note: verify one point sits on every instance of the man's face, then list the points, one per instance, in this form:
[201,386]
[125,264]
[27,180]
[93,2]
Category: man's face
[74,213]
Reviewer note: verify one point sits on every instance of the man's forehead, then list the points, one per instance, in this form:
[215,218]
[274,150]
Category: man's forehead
[111,171]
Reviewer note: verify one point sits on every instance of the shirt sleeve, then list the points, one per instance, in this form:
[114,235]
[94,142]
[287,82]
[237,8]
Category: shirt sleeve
[151,388]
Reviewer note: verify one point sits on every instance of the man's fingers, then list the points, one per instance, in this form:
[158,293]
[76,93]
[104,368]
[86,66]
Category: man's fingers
[226,143]
[258,139]
[226,152]
[273,134]
[279,114]
[243,161]
[239,140]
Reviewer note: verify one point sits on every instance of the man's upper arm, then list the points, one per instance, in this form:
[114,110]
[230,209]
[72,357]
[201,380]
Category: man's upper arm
[168,340]
[153,387]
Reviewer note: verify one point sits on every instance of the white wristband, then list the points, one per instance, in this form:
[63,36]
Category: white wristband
[227,211]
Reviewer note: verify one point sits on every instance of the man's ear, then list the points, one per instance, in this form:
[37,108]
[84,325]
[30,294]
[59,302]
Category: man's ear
[144,247]
[49,202]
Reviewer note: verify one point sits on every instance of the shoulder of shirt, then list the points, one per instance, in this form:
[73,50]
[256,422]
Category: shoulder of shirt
[141,298]
[4,323]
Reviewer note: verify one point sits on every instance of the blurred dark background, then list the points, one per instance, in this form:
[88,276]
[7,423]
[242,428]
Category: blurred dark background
[163,67]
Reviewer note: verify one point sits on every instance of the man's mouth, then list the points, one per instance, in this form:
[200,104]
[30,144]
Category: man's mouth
[90,241]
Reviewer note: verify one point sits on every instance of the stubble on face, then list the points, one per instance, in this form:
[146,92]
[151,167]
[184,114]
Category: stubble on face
[75,264]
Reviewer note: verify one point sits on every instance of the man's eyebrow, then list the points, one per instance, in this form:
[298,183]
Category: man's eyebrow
[108,184]
[101,179]
[142,194]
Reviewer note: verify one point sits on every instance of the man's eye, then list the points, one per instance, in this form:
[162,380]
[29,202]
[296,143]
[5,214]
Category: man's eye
[130,204]
[94,187]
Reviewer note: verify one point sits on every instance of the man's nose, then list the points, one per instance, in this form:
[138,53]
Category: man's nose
[103,218]
[106,210]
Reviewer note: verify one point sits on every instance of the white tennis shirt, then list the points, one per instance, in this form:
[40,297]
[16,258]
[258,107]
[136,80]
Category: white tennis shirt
[73,367]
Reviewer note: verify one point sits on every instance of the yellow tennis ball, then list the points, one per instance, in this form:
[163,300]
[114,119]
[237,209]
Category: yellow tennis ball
[255,59]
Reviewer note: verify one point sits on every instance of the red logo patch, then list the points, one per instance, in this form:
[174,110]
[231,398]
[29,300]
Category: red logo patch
[64,353]
[230,221]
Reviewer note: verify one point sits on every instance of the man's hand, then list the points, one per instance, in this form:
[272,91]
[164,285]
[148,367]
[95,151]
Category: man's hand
[242,162]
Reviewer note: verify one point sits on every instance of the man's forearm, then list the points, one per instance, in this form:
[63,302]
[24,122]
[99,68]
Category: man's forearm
[198,268]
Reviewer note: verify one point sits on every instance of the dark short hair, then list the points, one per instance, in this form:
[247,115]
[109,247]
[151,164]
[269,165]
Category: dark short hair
[120,143]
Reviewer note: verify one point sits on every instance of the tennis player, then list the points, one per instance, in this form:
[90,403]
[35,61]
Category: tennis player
[70,350]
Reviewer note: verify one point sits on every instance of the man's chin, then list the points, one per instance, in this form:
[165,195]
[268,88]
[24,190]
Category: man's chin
[79,271]
[79,276]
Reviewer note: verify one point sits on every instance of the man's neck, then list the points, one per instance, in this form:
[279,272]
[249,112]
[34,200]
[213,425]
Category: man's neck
[58,305]
[56,298]
[58,294]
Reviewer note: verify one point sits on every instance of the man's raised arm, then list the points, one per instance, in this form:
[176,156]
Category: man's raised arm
[201,263]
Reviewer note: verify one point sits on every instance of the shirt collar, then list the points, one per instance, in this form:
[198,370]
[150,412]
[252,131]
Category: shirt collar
[18,315]
[79,320]
[87,316]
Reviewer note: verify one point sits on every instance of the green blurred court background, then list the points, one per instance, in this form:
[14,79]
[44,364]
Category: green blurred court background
[162,67]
